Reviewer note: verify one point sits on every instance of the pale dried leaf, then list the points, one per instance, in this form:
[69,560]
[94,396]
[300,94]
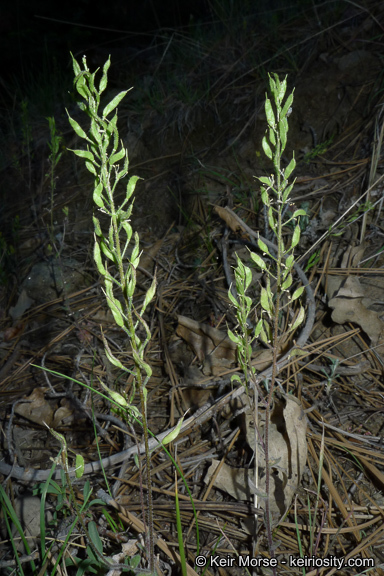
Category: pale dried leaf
[287,458]
[353,310]
[36,408]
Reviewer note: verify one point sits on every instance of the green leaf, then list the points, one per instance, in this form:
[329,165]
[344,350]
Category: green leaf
[173,434]
[127,229]
[94,536]
[258,260]
[265,180]
[282,88]
[84,154]
[233,337]
[106,251]
[287,282]
[269,113]
[290,168]
[113,360]
[114,303]
[297,293]
[295,236]
[264,196]
[287,192]
[272,84]
[79,466]
[97,228]
[149,295]
[131,186]
[97,259]
[289,262]
[232,298]
[77,128]
[104,78]
[266,148]
[94,130]
[272,137]
[287,105]
[132,282]
[265,302]
[97,196]
[298,321]
[283,130]
[75,64]
[263,333]
[236,378]
[114,103]
[117,157]
[271,220]
[81,86]
[258,328]
[91,167]
[116,396]
[299,212]
[263,247]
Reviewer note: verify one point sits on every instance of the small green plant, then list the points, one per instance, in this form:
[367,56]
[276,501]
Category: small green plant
[332,375]
[319,149]
[361,211]
[277,294]
[107,160]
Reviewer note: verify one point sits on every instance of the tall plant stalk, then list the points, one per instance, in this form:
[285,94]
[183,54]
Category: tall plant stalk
[107,160]
[275,192]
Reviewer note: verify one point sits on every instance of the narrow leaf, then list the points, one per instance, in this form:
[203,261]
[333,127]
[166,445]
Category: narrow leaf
[104,78]
[263,247]
[269,113]
[97,258]
[77,128]
[116,396]
[75,65]
[232,298]
[265,180]
[287,192]
[287,105]
[290,168]
[113,360]
[272,137]
[282,89]
[173,434]
[106,251]
[258,328]
[97,197]
[114,103]
[300,212]
[297,293]
[94,536]
[266,148]
[287,282]
[90,167]
[79,466]
[149,295]
[295,236]
[97,228]
[117,157]
[131,186]
[259,261]
[264,301]
[236,339]
[298,321]
[289,262]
